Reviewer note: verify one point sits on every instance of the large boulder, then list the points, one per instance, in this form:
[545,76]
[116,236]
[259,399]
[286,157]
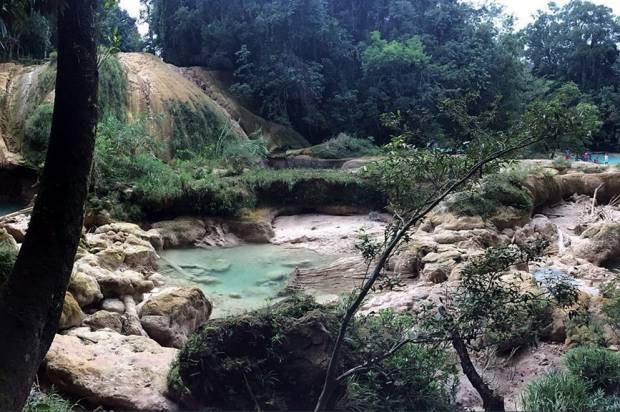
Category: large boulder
[254,227]
[104,320]
[7,241]
[599,243]
[289,345]
[113,283]
[180,232]
[84,288]
[71,315]
[17,226]
[509,217]
[111,370]
[171,316]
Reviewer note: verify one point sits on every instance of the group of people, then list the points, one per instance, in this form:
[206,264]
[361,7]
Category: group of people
[586,157]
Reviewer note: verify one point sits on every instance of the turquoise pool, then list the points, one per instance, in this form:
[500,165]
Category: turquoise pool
[8,207]
[614,158]
[239,278]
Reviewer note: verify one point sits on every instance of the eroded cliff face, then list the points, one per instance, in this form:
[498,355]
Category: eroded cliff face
[154,89]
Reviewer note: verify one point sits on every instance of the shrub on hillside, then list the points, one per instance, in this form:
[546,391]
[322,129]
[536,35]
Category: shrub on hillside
[494,192]
[311,188]
[415,378]
[37,132]
[557,391]
[595,365]
[344,146]
[275,359]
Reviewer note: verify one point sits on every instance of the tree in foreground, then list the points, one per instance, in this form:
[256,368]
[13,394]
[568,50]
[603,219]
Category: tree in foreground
[32,298]
[417,181]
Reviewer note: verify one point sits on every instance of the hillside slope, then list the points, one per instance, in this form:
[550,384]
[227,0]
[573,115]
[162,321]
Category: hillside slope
[168,96]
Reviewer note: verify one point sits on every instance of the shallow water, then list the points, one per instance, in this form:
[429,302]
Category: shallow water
[8,207]
[550,277]
[614,158]
[239,278]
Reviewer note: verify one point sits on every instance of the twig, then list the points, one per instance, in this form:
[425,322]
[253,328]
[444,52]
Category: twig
[594,199]
[366,365]
[249,389]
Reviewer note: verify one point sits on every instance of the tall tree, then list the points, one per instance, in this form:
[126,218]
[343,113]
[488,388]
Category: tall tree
[307,63]
[32,299]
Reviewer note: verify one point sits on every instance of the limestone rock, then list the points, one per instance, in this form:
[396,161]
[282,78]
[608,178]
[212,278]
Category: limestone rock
[103,319]
[17,227]
[254,228]
[450,222]
[113,305]
[84,288]
[436,273]
[72,315]
[169,317]
[130,319]
[111,258]
[599,243]
[141,256]
[179,232]
[116,284]
[509,217]
[121,227]
[112,370]
[556,330]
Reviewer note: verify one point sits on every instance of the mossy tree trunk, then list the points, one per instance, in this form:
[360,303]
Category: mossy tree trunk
[31,300]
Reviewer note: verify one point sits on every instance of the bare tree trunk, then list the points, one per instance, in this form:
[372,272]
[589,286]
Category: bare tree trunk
[32,299]
[490,400]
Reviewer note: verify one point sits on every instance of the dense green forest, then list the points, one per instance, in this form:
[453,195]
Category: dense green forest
[340,66]
[27,29]
[330,66]
[163,246]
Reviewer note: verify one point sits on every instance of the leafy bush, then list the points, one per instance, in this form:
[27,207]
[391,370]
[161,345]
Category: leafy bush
[195,128]
[417,377]
[597,366]
[494,192]
[343,146]
[262,360]
[129,171]
[611,305]
[112,89]
[239,154]
[556,392]
[37,132]
[8,255]
[258,360]
[311,188]
[561,164]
